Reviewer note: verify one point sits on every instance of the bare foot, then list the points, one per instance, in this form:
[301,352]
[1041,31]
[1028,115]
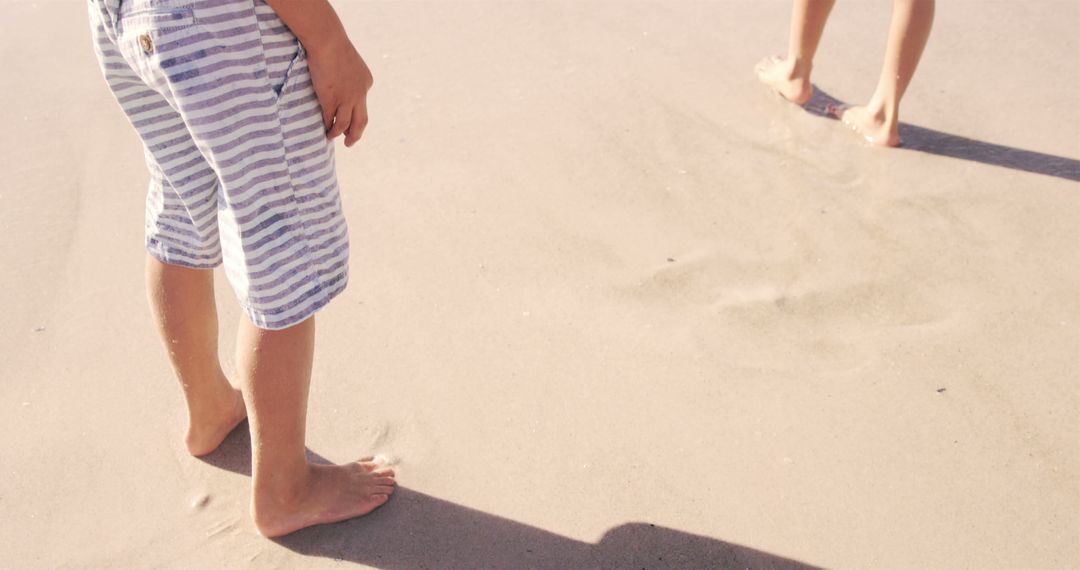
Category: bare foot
[874,127]
[332,493]
[780,74]
[208,427]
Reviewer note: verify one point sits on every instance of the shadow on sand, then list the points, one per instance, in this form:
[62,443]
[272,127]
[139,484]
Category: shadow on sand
[926,140]
[418,531]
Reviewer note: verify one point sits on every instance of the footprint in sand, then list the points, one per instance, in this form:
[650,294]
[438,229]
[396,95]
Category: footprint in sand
[850,306]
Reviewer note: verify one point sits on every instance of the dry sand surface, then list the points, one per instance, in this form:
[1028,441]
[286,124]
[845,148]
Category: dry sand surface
[613,303]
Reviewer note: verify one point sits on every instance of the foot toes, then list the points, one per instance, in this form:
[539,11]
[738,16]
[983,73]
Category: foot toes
[382,490]
[371,465]
[767,62]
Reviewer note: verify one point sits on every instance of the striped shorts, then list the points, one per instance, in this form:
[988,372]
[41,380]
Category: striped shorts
[241,172]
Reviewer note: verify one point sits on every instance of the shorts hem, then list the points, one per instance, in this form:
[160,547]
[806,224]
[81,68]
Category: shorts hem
[176,257]
[265,321]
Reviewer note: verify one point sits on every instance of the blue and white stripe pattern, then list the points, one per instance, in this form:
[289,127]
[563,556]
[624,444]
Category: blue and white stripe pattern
[241,170]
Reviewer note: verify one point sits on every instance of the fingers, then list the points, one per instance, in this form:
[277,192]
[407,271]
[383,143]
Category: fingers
[328,111]
[349,118]
[357,124]
[342,118]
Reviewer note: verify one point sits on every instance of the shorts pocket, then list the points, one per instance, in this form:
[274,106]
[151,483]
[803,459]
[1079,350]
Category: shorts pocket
[295,73]
[158,19]
[153,35]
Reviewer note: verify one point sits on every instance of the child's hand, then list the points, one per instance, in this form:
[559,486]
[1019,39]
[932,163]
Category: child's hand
[341,80]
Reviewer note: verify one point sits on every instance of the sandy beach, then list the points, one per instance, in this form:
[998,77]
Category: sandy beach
[613,303]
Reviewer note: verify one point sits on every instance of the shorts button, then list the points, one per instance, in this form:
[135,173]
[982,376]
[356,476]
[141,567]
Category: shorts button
[146,43]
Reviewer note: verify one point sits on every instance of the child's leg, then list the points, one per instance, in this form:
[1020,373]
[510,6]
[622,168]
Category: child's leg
[182,300]
[909,30]
[239,152]
[181,228]
[790,76]
[289,493]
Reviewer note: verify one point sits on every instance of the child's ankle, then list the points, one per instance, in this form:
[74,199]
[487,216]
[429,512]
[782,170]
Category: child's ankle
[798,69]
[284,489]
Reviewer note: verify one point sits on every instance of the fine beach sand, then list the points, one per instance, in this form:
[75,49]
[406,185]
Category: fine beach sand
[613,304]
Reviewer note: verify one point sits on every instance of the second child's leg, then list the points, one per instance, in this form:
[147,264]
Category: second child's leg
[289,493]
[182,301]
[790,76]
[909,30]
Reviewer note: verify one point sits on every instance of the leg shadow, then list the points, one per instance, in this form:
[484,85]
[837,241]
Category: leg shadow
[417,531]
[926,140]
[234,454]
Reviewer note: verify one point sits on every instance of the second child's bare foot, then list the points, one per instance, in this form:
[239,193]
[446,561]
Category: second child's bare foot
[872,126]
[781,74]
[208,426]
[331,493]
